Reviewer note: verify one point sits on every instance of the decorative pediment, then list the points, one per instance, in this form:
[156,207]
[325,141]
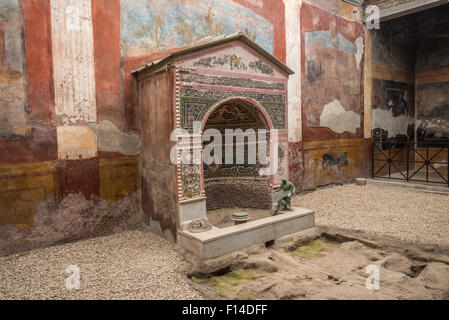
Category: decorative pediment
[236,57]
[230,53]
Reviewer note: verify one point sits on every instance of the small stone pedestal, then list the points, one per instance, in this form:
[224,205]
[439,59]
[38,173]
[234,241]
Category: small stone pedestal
[240,217]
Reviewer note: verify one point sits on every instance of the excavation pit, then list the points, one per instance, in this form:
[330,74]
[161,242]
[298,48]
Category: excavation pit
[327,266]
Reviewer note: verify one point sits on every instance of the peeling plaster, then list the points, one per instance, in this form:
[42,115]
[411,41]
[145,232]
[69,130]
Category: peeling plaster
[336,118]
[385,120]
[111,139]
[360,49]
[76,142]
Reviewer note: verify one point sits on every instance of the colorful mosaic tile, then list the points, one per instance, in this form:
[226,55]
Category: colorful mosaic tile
[191,180]
[230,82]
[234,62]
[220,95]
[277,113]
[216,170]
[195,103]
[192,112]
[265,68]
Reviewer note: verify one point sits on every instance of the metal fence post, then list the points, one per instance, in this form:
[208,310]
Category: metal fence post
[372,159]
[408,161]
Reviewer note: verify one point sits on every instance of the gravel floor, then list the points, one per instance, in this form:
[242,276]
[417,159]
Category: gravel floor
[397,213]
[140,265]
[132,265]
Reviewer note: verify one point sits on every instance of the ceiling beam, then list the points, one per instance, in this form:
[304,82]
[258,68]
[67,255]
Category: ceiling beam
[408,8]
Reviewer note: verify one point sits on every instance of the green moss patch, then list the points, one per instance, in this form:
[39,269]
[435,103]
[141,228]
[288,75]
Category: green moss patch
[230,282]
[312,250]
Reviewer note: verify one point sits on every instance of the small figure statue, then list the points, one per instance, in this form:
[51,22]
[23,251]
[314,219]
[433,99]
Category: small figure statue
[288,190]
[200,225]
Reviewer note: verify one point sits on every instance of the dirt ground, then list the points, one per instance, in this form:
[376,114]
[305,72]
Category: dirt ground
[323,265]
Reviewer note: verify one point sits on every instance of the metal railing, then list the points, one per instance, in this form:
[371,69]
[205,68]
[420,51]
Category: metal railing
[411,161]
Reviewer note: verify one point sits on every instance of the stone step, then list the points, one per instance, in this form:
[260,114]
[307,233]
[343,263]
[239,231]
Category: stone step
[410,185]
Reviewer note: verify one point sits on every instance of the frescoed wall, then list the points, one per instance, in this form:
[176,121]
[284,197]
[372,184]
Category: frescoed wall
[393,86]
[66,172]
[328,55]
[151,26]
[432,75]
[332,69]
[150,29]
[332,50]
[69,135]
[71,147]
[13,102]
[433,111]
[410,71]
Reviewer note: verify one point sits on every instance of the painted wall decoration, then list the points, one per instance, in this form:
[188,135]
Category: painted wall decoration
[13,115]
[332,50]
[332,161]
[283,166]
[150,26]
[433,111]
[393,109]
[338,159]
[296,164]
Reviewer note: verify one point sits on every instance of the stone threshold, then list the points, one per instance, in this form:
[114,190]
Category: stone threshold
[409,185]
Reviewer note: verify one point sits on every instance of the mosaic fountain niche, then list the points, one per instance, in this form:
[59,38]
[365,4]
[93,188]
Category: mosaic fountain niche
[240,181]
[225,83]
